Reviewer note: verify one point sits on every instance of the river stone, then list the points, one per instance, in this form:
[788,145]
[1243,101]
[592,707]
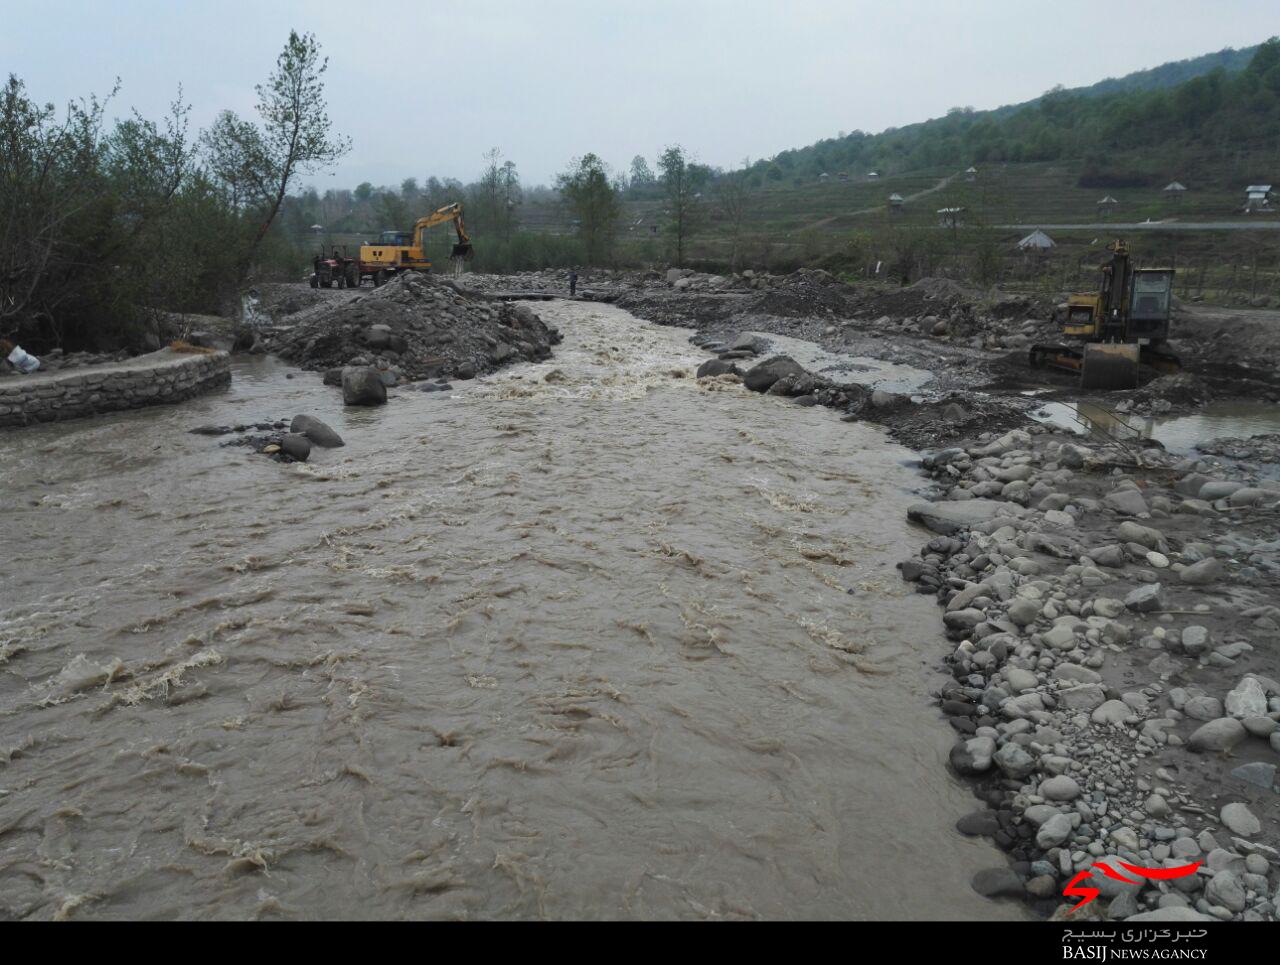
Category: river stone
[1225,889]
[998,883]
[1060,637]
[713,367]
[1019,680]
[1217,735]
[1246,497]
[1131,532]
[951,516]
[1259,774]
[1013,761]
[315,430]
[1112,712]
[1206,571]
[362,385]
[295,446]
[1085,697]
[1024,612]
[1195,641]
[1054,832]
[1211,491]
[760,378]
[1059,788]
[1239,820]
[1247,700]
[1145,598]
[1203,707]
[1128,502]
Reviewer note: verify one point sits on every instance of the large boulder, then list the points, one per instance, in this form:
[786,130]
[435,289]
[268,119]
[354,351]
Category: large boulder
[713,367]
[761,377]
[362,385]
[316,431]
[949,517]
[295,446]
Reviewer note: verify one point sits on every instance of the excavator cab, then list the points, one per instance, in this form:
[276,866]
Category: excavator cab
[1124,326]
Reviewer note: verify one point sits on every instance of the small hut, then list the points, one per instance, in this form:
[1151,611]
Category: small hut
[950,217]
[1174,191]
[971,174]
[895,203]
[1037,241]
[1106,206]
[824,176]
[873,175]
[1257,197]
[843,175]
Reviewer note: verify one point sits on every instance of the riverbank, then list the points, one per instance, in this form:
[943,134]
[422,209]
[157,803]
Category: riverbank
[158,378]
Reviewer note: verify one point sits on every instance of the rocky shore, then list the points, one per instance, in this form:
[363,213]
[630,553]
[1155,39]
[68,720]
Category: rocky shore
[1115,615]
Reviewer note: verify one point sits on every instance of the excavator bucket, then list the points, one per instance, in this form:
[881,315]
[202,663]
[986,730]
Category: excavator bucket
[1110,365]
[462,251]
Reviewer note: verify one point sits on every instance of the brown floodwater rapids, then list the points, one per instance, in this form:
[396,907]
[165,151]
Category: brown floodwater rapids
[583,639]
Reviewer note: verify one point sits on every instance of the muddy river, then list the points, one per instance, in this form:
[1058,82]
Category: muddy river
[582,639]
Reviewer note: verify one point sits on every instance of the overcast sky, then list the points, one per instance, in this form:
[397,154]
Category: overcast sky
[428,87]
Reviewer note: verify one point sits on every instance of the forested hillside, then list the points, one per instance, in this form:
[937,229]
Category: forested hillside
[1227,104]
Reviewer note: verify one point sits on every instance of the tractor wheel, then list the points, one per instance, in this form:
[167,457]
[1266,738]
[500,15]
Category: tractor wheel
[379,278]
[342,281]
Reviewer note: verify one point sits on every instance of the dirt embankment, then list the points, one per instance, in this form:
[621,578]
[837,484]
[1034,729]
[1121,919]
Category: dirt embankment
[414,327]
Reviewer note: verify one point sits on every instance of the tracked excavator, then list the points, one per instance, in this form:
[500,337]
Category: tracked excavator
[1117,330]
[399,251]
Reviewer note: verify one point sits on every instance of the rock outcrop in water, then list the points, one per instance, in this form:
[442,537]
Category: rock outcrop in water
[416,327]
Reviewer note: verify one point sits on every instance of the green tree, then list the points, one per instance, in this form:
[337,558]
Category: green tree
[293,137]
[594,203]
[681,180]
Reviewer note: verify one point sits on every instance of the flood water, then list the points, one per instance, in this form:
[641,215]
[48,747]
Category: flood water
[1177,433]
[583,639]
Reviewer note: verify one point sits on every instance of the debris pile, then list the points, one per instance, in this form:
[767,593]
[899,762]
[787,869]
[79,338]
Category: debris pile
[414,327]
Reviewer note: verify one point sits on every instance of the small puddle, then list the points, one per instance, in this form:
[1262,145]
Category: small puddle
[1178,434]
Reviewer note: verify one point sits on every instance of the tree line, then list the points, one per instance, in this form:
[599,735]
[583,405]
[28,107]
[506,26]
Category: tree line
[105,224]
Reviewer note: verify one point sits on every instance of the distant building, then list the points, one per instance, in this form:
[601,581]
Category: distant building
[895,202]
[1106,206]
[843,175]
[1257,197]
[971,174]
[1174,190]
[824,176]
[1036,241]
[873,175]
[950,217]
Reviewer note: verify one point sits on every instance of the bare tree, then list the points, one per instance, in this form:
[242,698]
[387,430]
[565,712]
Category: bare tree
[733,191]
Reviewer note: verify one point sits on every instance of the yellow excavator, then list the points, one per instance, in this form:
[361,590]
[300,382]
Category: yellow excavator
[398,251]
[1120,328]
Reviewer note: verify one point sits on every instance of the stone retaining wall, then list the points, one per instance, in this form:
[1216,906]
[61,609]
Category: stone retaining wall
[154,379]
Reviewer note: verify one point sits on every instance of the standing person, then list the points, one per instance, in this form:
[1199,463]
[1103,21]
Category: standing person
[573,282]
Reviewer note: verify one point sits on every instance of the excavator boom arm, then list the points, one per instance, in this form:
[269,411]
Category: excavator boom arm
[450,212]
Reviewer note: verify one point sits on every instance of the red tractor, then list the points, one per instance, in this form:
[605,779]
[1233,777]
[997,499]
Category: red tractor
[335,267]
